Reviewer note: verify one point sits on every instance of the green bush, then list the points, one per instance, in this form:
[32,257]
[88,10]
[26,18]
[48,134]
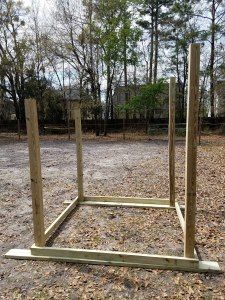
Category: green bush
[181,131]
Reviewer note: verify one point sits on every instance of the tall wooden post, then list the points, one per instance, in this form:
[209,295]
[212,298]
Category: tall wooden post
[35,171]
[172,101]
[79,151]
[191,150]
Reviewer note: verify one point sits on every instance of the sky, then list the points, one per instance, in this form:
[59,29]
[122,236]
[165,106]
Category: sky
[29,2]
[42,4]
[45,6]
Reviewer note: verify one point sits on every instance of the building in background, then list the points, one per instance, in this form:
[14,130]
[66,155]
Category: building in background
[73,94]
[119,99]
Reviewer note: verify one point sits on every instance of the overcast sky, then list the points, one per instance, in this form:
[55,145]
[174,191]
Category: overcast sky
[29,2]
[43,7]
[40,3]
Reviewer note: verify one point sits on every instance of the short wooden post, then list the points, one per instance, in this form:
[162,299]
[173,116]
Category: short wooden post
[191,149]
[172,101]
[78,130]
[35,171]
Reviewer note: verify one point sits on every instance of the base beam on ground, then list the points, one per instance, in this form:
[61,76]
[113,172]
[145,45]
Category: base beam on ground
[127,199]
[130,204]
[114,258]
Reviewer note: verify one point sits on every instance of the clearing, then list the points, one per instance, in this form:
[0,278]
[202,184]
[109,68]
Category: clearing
[129,168]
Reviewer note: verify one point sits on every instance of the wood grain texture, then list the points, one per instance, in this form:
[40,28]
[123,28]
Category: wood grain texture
[127,199]
[191,149]
[182,222]
[172,102]
[130,204]
[58,221]
[35,171]
[136,260]
[79,149]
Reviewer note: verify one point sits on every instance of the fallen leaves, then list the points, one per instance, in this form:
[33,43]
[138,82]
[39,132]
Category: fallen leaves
[123,169]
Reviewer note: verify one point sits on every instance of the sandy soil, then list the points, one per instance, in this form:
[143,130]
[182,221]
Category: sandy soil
[130,168]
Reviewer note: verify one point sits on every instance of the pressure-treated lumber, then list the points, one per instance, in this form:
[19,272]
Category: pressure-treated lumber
[182,222]
[115,256]
[172,101]
[35,170]
[55,225]
[129,204]
[115,259]
[180,216]
[79,150]
[191,149]
[127,199]
[123,200]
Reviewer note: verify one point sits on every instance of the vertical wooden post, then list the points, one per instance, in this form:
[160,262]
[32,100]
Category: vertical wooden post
[191,150]
[35,171]
[172,101]
[78,130]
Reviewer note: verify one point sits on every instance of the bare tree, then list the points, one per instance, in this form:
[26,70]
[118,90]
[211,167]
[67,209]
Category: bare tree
[14,50]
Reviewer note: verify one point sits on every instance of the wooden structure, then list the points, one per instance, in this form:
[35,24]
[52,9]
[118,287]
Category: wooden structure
[190,260]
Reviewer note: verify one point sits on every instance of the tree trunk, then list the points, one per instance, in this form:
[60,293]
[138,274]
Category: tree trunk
[156,45]
[111,105]
[183,110]
[151,48]
[125,75]
[107,100]
[212,61]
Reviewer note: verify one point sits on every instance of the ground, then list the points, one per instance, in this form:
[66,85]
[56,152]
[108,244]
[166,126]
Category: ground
[112,167]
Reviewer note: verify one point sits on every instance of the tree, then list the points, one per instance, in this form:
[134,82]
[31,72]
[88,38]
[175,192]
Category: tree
[108,20]
[148,100]
[14,49]
[129,37]
[38,58]
[217,14]
[158,12]
[118,40]
[75,42]
[181,31]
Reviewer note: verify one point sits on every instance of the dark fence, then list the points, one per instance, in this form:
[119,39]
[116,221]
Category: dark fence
[116,126]
[9,126]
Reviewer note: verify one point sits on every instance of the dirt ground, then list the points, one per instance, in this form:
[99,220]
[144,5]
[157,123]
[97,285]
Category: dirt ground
[120,168]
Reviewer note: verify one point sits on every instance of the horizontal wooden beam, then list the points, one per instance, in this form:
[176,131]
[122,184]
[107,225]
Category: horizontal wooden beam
[127,200]
[119,204]
[114,258]
[53,227]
